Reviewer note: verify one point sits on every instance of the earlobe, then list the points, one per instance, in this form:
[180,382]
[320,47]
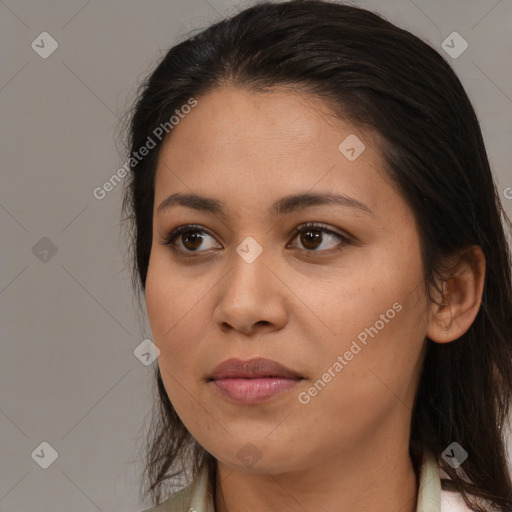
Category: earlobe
[461,298]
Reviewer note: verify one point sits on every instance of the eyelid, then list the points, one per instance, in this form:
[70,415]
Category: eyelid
[320,226]
[184,228]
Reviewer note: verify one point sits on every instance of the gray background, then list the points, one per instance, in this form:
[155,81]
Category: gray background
[68,373]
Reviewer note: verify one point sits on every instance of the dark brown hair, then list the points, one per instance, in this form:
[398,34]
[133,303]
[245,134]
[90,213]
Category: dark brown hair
[376,75]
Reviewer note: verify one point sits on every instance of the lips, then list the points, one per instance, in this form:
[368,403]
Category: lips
[252,369]
[253,381]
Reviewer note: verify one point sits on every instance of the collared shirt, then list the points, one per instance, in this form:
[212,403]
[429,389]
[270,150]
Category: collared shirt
[430,496]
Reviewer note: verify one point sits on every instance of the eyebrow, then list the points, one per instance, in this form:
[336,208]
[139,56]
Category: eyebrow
[285,205]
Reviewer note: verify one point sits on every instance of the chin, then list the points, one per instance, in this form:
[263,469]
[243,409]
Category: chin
[260,456]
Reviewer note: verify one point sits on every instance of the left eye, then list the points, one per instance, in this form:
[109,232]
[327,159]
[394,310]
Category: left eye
[312,237]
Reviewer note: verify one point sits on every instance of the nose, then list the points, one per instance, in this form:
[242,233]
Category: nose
[251,298]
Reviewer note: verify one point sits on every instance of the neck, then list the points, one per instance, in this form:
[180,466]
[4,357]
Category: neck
[371,478]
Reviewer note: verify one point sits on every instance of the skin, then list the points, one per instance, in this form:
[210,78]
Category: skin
[301,305]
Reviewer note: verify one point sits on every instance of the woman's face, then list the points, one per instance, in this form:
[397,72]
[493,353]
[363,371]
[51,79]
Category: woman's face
[347,314]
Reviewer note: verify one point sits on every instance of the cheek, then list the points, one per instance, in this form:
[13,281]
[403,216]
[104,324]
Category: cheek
[174,315]
[376,375]
[178,304]
[173,298]
[359,303]
[374,318]
[170,311]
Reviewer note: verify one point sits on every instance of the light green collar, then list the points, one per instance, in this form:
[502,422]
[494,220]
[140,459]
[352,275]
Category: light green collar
[429,491]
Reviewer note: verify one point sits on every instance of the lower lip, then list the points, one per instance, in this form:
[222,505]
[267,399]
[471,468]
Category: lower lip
[253,391]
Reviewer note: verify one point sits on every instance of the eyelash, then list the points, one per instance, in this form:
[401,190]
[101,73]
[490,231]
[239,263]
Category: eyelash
[169,238]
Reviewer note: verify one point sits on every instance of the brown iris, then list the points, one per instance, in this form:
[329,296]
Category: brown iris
[194,238]
[310,237]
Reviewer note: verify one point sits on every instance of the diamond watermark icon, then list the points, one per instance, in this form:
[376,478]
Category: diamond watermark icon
[351,147]
[44,250]
[146,352]
[45,455]
[249,249]
[454,45]
[249,455]
[455,455]
[44,45]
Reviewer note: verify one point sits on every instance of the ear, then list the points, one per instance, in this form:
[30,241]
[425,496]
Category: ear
[462,286]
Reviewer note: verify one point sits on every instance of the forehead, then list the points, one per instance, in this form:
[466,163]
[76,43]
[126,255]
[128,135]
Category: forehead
[230,117]
[254,144]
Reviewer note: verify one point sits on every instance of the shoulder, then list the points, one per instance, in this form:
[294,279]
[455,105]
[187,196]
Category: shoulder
[431,495]
[453,502]
[178,502]
[194,497]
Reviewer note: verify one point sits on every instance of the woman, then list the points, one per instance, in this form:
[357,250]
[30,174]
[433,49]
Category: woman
[321,247]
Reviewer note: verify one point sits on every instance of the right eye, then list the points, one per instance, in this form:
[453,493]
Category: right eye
[190,237]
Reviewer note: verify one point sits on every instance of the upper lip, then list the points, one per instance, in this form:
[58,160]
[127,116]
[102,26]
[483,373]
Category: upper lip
[251,369]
